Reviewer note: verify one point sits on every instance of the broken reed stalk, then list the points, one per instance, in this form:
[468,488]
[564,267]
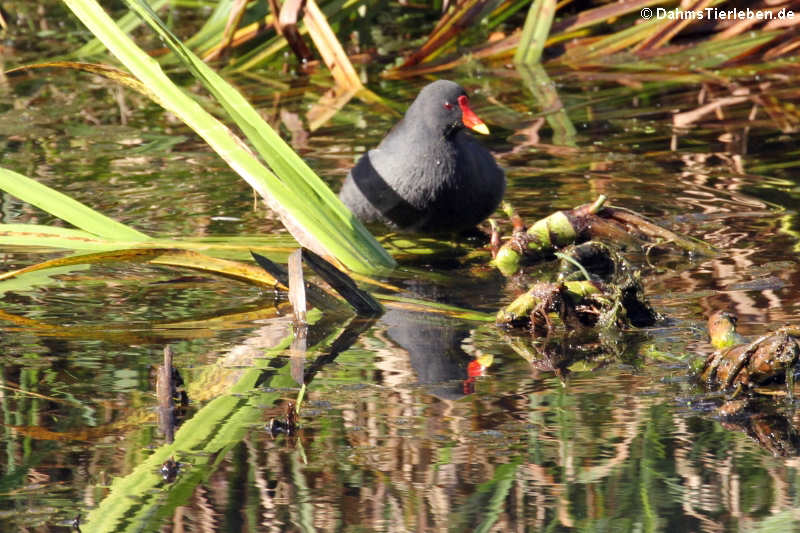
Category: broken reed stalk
[540,296]
[363,302]
[623,227]
[165,392]
[543,237]
[297,287]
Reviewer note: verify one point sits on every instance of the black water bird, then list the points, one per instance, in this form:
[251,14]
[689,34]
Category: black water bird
[428,174]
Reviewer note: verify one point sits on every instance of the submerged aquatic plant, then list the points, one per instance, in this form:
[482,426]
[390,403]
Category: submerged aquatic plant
[611,297]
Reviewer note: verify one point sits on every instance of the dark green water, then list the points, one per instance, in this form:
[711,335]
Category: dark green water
[393,436]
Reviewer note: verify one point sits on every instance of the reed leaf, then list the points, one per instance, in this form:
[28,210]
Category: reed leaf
[311,212]
[128,333]
[262,53]
[65,208]
[331,219]
[710,54]
[160,256]
[423,306]
[610,44]
[535,32]
[236,247]
[35,235]
[107,71]
[601,15]
[126,23]
[663,36]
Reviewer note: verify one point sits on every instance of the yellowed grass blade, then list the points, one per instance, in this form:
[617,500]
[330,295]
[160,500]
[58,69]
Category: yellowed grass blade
[328,105]
[152,333]
[234,19]
[663,36]
[240,36]
[329,48]
[455,21]
[161,256]
[107,71]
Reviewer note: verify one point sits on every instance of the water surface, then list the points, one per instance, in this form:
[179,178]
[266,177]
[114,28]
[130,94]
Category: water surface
[394,436]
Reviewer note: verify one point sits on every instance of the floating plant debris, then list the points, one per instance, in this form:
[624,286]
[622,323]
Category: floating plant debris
[737,365]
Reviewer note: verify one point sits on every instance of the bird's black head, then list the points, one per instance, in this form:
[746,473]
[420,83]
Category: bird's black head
[444,106]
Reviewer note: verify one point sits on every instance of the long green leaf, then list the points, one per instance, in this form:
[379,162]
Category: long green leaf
[160,256]
[38,236]
[236,247]
[127,23]
[535,32]
[65,208]
[319,221]
[289,167]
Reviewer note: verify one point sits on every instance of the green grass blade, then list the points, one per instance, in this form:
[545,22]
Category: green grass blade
[127,23]
[330,232]
[710,54]
[423,306]
[600,15]
[260,54]
[535,32]
[213,27]
[65,208]
[37,236]
[605,46]
[246,272]
[328,211]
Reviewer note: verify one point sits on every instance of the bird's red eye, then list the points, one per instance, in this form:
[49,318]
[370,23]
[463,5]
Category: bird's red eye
[448,106]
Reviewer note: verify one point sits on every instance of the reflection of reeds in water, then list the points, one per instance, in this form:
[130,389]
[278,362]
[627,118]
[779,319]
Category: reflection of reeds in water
[564,460]
[521,454]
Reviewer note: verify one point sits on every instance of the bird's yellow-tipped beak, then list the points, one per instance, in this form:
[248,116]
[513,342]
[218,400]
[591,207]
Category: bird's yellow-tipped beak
[469,118]
[481,128]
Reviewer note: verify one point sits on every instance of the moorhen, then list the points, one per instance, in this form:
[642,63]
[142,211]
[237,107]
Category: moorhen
[428,174]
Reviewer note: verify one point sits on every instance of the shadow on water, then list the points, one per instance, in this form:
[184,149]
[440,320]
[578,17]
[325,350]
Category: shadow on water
[395,430]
